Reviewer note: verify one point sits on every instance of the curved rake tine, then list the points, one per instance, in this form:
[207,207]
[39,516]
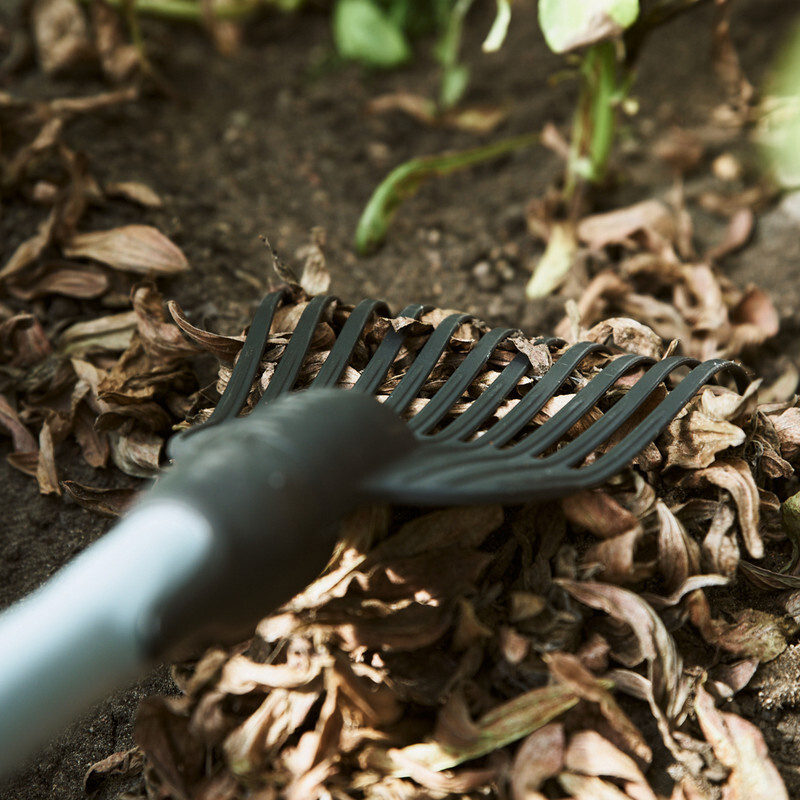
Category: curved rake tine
[554,428]
[410,384]
[621,454]
[486,403]
[295,353]
[342,350]
[530,405]
[483,406]
[575,451]
[459,381]
[244,371]
[375,372]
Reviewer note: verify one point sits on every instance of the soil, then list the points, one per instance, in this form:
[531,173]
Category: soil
[276,140]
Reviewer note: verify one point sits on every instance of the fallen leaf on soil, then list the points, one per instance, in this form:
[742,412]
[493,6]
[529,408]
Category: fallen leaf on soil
[22,438]
[552,268]
[46,473]
[740,747]
[110,334]
[539,757]
[118,58]
[132,248]
[734,476]
[502,725]
[650,219]
[137,192]
[650,640]
[751,633]
[737,234]
[107,502]
[425,110]
[61,34]
[693,440]
[83,281]
[125,762]
[589,753]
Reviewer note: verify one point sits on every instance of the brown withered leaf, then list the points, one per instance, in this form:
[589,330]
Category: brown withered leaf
[107,502]
[225,348]
[651,220]
[61,34]
[653,643]
[539,757]
[740,747]
[83,281]
[131,248]
[751,633]
[118,58]
[166,739]
[678,553]
[22,439]
[693,440]
[737,234]
[498,727]
[125,762]
[162,340]
[569,670]
[46,472]
[27,252]
[137,453]
[482,119]
[787,426]
[628,335]
[589,753]
[134,191]
[598,512]
[734,476]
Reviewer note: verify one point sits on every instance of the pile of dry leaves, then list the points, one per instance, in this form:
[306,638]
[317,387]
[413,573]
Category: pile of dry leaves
[587,648]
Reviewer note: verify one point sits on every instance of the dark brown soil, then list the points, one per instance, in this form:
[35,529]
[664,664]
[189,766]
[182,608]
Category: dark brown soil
[276,140]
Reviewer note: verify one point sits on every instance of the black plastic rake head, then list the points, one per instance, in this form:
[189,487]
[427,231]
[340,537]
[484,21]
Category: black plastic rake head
[473,457]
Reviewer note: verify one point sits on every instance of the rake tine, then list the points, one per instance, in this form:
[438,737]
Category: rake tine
[552,430]
[426,360]
[342,350]
[530,405]
[575,451]
[486,404]
[295,353]
[459,381]
[617,457]
[375,372]
[244,371]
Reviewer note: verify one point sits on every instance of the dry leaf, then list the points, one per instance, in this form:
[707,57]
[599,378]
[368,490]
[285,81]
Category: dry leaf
[733,475]
[740,747]
[539,757]
[132,248]
[61,34]
[136,192]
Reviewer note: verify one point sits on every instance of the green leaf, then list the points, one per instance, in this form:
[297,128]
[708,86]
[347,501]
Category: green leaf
[404,180]
[363,32]
[497,34]
[569,24]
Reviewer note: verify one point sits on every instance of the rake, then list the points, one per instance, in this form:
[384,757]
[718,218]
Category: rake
[246,517]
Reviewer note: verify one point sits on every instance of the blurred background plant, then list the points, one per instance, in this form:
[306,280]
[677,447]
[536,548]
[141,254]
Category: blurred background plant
[779,120]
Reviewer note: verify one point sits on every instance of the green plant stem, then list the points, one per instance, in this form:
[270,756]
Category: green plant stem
[595,119]
[405,179]
[187,10]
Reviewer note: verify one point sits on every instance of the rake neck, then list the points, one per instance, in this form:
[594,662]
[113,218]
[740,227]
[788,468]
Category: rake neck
[269,484]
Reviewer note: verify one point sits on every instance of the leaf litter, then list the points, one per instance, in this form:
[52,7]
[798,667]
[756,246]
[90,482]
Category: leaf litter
[519,651]
[523,652]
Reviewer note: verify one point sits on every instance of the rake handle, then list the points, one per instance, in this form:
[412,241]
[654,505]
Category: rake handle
[240,525]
